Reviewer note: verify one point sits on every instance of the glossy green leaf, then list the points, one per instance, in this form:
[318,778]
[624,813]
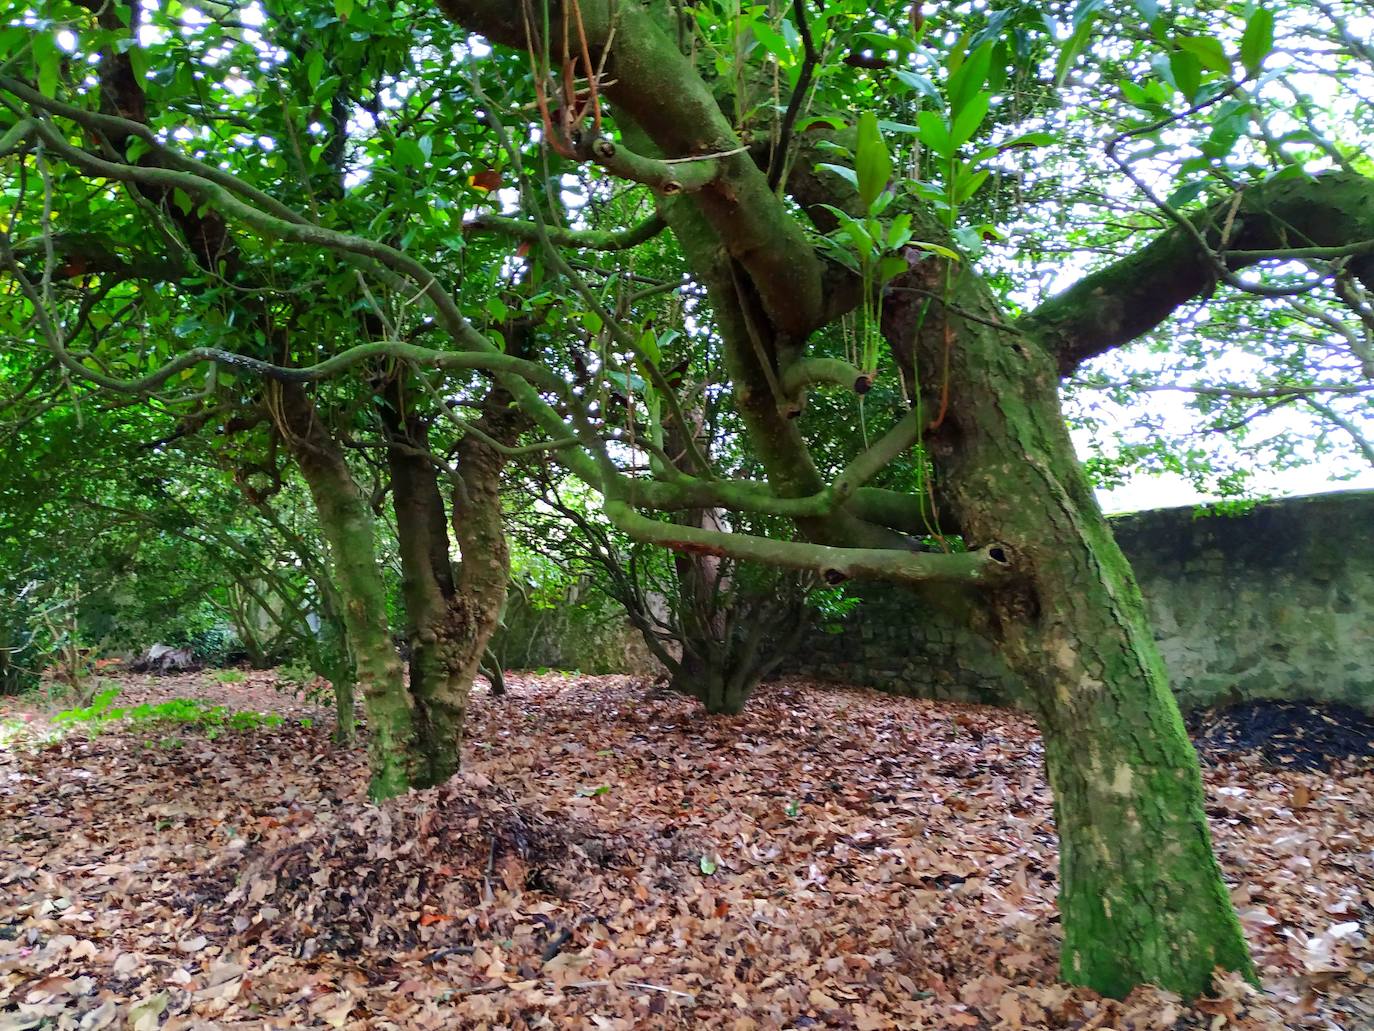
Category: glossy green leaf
[872,162]
[968,79]
[1208,50]
[1187,72]
[1258,40]
[968,120]
[935,134]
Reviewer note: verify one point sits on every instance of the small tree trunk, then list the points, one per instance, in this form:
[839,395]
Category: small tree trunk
[451,613]
[342,683]
[346,522]
[491,669]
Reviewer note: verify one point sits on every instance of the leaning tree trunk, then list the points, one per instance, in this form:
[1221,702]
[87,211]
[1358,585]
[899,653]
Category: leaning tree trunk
[346,521]
[1141,899]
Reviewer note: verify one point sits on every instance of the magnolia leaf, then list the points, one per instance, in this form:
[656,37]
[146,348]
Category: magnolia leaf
[935,134]
[969,118]
[872,162]
[967,80]
[1257,41]
[1208,50]
[848,174]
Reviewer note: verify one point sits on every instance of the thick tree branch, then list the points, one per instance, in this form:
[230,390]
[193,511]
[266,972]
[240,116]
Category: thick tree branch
[1277,219]
[649,80]
[987,565]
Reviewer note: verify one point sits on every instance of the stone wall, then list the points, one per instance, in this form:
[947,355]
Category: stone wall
[1275,602]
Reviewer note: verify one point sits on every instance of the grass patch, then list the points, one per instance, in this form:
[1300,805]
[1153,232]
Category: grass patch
[186,712]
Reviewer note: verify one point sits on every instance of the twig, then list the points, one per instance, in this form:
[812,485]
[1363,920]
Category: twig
[1215,258]
[660,988]
[810,59]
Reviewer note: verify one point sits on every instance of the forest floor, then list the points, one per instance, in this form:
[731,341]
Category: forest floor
[611,858]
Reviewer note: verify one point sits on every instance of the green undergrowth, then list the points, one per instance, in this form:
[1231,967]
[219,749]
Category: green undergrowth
[185,712]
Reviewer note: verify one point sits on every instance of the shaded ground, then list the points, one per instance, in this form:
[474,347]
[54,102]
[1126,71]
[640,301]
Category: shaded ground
[1292,735]
[611,859]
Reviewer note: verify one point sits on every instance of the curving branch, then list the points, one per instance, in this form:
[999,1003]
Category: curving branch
[658,89]
[683,175]
[1330,215]
[811,372]
[836,565]
[1357,436]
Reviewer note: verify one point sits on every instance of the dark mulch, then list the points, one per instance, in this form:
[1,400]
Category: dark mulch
[1289,735]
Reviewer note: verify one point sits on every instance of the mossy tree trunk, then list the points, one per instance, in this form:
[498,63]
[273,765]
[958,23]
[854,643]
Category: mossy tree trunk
[1142,899]
[346,521]
[451,608]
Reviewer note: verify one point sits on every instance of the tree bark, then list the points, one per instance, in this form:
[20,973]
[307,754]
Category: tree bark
[450,613]
[346,521]
[1141,898]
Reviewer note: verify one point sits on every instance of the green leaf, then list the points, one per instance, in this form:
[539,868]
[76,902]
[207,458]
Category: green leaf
[182,200]
[1083,19]
[1186,194]
[968,120]
[1257,41]
[969,183]
[860,240]
[314,68]
[891,267]
[1208,50]
[1149,10]
[935,134]
[847,174]
[49,60]
[497,308]
[771,41]
[648,346]
[343,8]
[708,865]
[408,153]
[968,79]
[1187,71]
[919,83]
[935,248]
[872,162]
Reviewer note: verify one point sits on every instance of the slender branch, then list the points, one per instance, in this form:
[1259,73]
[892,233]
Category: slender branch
[1361,442]
[1254,393]
[810,372]
[810,58]
[586,239]
[666,177]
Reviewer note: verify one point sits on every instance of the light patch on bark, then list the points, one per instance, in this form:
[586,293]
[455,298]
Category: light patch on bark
[1121,781]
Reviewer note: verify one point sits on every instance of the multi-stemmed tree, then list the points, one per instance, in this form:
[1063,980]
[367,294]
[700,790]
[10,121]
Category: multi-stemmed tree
[362,147]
